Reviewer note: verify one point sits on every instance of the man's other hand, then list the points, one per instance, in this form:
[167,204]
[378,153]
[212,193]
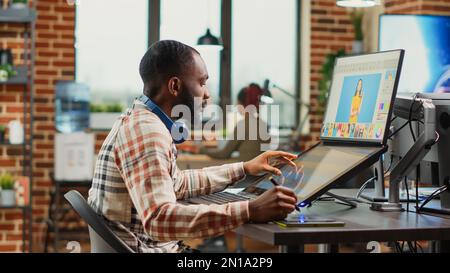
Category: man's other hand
[266,162]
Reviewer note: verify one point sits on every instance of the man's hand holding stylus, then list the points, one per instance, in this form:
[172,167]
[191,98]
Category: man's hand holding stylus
[274,204]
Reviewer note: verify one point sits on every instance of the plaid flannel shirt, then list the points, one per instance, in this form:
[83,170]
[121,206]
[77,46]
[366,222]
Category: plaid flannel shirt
[137,183]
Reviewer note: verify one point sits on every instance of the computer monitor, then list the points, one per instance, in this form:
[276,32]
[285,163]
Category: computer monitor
[361,94]
[359,108]
[426,40]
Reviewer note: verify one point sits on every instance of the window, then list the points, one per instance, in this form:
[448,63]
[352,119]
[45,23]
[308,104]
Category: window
[186,21]
[111,37]
[264,44]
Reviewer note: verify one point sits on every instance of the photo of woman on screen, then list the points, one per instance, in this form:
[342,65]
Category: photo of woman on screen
[356,103]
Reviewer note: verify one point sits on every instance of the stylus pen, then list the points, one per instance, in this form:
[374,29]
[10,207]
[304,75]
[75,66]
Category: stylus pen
[275,183]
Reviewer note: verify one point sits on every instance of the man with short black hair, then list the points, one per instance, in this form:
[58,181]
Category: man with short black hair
[137,183]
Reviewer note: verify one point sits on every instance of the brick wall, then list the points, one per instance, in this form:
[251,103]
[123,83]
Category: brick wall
[331,30]
[431,7]
[55,58]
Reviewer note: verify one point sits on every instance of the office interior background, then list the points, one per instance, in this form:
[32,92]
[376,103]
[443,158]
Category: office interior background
[91,49]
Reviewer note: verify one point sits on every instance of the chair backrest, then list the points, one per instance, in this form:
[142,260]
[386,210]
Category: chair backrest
[102,237]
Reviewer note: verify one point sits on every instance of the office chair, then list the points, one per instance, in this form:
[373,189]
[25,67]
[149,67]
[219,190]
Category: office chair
[103,239]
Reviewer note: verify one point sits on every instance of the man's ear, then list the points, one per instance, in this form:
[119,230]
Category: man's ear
[174,86]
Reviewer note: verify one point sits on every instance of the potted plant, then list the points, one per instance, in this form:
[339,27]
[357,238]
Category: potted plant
[103,116]
[2,133]
[357,18]
[19,4]
[8,195]
[6,72]
[327,74]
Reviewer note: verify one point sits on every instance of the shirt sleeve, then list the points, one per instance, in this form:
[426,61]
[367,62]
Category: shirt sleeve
[191,183]
[143,157]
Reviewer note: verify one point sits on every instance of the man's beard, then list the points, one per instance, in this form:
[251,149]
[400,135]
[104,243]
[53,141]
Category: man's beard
[192,103]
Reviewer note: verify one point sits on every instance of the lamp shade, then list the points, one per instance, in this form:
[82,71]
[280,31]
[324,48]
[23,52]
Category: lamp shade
[356,3]
[210,41]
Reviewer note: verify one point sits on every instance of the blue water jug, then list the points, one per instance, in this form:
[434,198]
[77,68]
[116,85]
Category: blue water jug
[71,106]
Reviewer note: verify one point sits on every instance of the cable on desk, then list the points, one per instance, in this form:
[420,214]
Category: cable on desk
[420,247]
[332,199]
[433,195]
[363,187]
[407,193]
[411,247]
[417,186]
[390,164]
[398,130]
[437,137]
[410,115]
[398,247]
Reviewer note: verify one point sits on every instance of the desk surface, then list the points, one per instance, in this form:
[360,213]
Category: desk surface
[361,225]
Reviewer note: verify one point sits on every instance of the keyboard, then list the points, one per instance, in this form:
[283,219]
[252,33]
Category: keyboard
[223,198]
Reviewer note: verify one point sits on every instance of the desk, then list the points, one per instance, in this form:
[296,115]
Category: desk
[361,225]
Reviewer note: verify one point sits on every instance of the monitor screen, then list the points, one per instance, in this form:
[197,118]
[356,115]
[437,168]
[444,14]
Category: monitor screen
[426,40]
[316,169]
[361,94]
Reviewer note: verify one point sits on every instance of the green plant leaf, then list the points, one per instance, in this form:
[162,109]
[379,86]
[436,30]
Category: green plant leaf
[109,108]
[327,74]
[357,18]
[7,181]
[9,70]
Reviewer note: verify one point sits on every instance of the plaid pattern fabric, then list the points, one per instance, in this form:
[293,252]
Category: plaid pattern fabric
[137,183]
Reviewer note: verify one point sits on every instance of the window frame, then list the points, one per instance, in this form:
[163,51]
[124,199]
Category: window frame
[154,22]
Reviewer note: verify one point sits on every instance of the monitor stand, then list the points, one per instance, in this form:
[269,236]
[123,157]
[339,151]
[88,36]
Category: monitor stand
[369,195]
[343,199]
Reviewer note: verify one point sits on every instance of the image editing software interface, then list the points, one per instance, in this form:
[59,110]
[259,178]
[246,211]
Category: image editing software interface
[360,97]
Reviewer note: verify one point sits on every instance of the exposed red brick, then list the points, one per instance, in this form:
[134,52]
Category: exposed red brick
[13,215]
[8,248]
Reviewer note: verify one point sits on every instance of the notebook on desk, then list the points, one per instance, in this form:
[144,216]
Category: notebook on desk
[353,135]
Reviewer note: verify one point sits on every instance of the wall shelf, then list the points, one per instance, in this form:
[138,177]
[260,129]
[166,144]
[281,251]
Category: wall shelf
[11,144]
[27,17]
[25,207]
[20,78]
[12,15]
